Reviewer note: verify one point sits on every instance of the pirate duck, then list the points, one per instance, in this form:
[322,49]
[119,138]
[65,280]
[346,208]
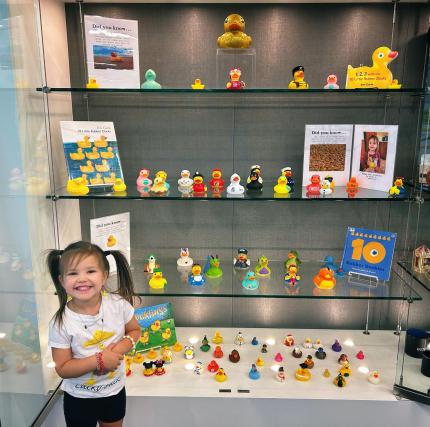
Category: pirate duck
[254,181]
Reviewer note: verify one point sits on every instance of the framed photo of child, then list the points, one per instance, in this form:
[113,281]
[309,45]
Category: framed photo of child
[374,156]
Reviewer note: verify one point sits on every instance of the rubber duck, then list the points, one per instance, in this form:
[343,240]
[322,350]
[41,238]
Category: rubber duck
[184,259]
[278,357]
[111,241]
[331,82]
[280,375]
[330,179]
[339,381]
[254,341]
[114,57]
[144,338]
[397,189]
[262,268]
[343,359]
[148,369]
[292,277]
[315,186]
[298,81]
[254,180]
[157,280]
[216,183]
[177,347]
[264,348]
[309,363]
[331,265]
[234,187]
[213,366]
[374,377]
[289,340]
[360,355]
[198,184]
[352,187]
[259,361]
[185,181]
[292,259]
[98,180]
[152,354]
[287,172]
[160,185]
[317,344]
[253,373]
[221,376]
[303,374]
[382,78]
[217,338]
[234,36]
[218,353]
[297,353]
[325,189]
[234,356]
[88,168]
[325,279]
[196,277]
[250,282]
[150,82]
[307,343]
[166,355]
[119,186]
[93,154]
[76,186]
[79,155]
[108,154]
[92,84]
[345,370]
[189,352]
[241,261]
[205,347]
[197,85]
[102,142]
[281,187]
[143,178]
[326,373]
[138,358]
[103,167]
[239,339]
[212,268]
[110,179]
[128,360]
[159,368]
[166,334]
[320,354]
[336,346]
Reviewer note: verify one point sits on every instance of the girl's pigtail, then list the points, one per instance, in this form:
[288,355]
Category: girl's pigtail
[53,263]
[125,281]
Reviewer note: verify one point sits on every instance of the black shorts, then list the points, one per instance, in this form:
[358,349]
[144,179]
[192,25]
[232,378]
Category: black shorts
[81,412]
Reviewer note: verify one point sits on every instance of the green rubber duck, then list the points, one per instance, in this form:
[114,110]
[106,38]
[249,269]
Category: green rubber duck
[212,268]
[150,82]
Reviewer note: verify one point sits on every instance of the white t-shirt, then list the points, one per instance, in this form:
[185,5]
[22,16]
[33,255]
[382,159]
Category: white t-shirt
[104,328]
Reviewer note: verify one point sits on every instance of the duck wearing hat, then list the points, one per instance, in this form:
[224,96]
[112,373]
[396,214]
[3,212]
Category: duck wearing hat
[235,83]
[241,261]
[198,184]
[254,181]
[298,81]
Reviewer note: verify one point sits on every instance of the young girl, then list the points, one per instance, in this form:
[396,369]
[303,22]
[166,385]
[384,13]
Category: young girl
[90,333]
[371,160]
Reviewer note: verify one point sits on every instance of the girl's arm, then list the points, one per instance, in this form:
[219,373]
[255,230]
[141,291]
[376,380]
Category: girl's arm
[132,328]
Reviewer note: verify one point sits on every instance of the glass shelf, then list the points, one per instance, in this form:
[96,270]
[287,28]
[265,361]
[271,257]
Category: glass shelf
[421,278]
[267,193]
[417,91]
[230,284]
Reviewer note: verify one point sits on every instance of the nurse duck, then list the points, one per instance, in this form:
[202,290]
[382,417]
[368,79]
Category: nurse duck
[185,181]
[235,189]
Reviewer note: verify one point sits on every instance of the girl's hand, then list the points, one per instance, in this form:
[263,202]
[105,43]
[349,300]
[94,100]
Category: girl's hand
[111,359]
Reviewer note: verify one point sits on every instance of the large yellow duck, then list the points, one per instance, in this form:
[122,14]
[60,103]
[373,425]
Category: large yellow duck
[234,37]
[79,155]
[376,76]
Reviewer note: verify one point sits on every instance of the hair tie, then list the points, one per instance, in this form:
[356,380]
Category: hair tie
[107,253]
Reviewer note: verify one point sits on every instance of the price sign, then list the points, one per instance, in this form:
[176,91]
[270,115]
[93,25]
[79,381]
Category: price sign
[369,252]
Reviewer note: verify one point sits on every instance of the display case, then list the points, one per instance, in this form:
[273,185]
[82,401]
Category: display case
[177,128]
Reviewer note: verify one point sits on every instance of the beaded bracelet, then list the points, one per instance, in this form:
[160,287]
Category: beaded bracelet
[100,367]
[129,337]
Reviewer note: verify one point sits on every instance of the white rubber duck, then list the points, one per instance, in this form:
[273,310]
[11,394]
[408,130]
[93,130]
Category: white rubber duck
[235,188]
[185,260]
[325,187]
[185,180]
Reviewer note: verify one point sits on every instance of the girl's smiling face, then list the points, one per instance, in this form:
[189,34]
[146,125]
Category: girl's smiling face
[373,145]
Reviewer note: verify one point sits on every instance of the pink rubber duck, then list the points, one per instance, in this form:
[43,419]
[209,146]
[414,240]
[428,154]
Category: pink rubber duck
[360,355]
[278,357]
[331,82]
[143,179]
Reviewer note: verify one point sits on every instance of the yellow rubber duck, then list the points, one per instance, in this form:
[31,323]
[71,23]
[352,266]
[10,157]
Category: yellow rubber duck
[77,187]
[259,361]
[103,167]
[157,280]
[111,241]
[281,187]
[325,279]
[102,142]
[92,84]
[138,358]
[166,334]
[234,37]
[110,179]
[85,143]
[298,81]
[152,354]
[155,326]
[198,85]
[107,154]
[339,381]
[88,168]
[376,76]
[303,374]
[79,155]
[217,338]
[177,347]
[345,370]
[128,360]
[119,185]
[221,376]
[92,155]
[97,180]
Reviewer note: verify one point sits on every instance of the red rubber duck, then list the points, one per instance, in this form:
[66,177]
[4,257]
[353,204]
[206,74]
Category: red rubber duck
[216,183]
[213,366]
[352,187]
[198,184]
[360,355]
[218,352]
[315,186]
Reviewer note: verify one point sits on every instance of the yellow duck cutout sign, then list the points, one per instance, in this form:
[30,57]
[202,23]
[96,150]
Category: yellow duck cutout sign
[298,81]
[79,155]
[234,37]
[377,76]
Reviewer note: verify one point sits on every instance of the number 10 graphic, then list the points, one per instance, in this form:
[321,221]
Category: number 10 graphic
[372,252]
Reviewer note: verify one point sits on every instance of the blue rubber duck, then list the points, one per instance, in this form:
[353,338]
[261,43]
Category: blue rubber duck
[253,373]
[254,341]
[250,282]
[150,82]
[330,264]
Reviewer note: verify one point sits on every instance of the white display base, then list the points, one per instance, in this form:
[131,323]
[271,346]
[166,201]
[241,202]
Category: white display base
[380,350]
